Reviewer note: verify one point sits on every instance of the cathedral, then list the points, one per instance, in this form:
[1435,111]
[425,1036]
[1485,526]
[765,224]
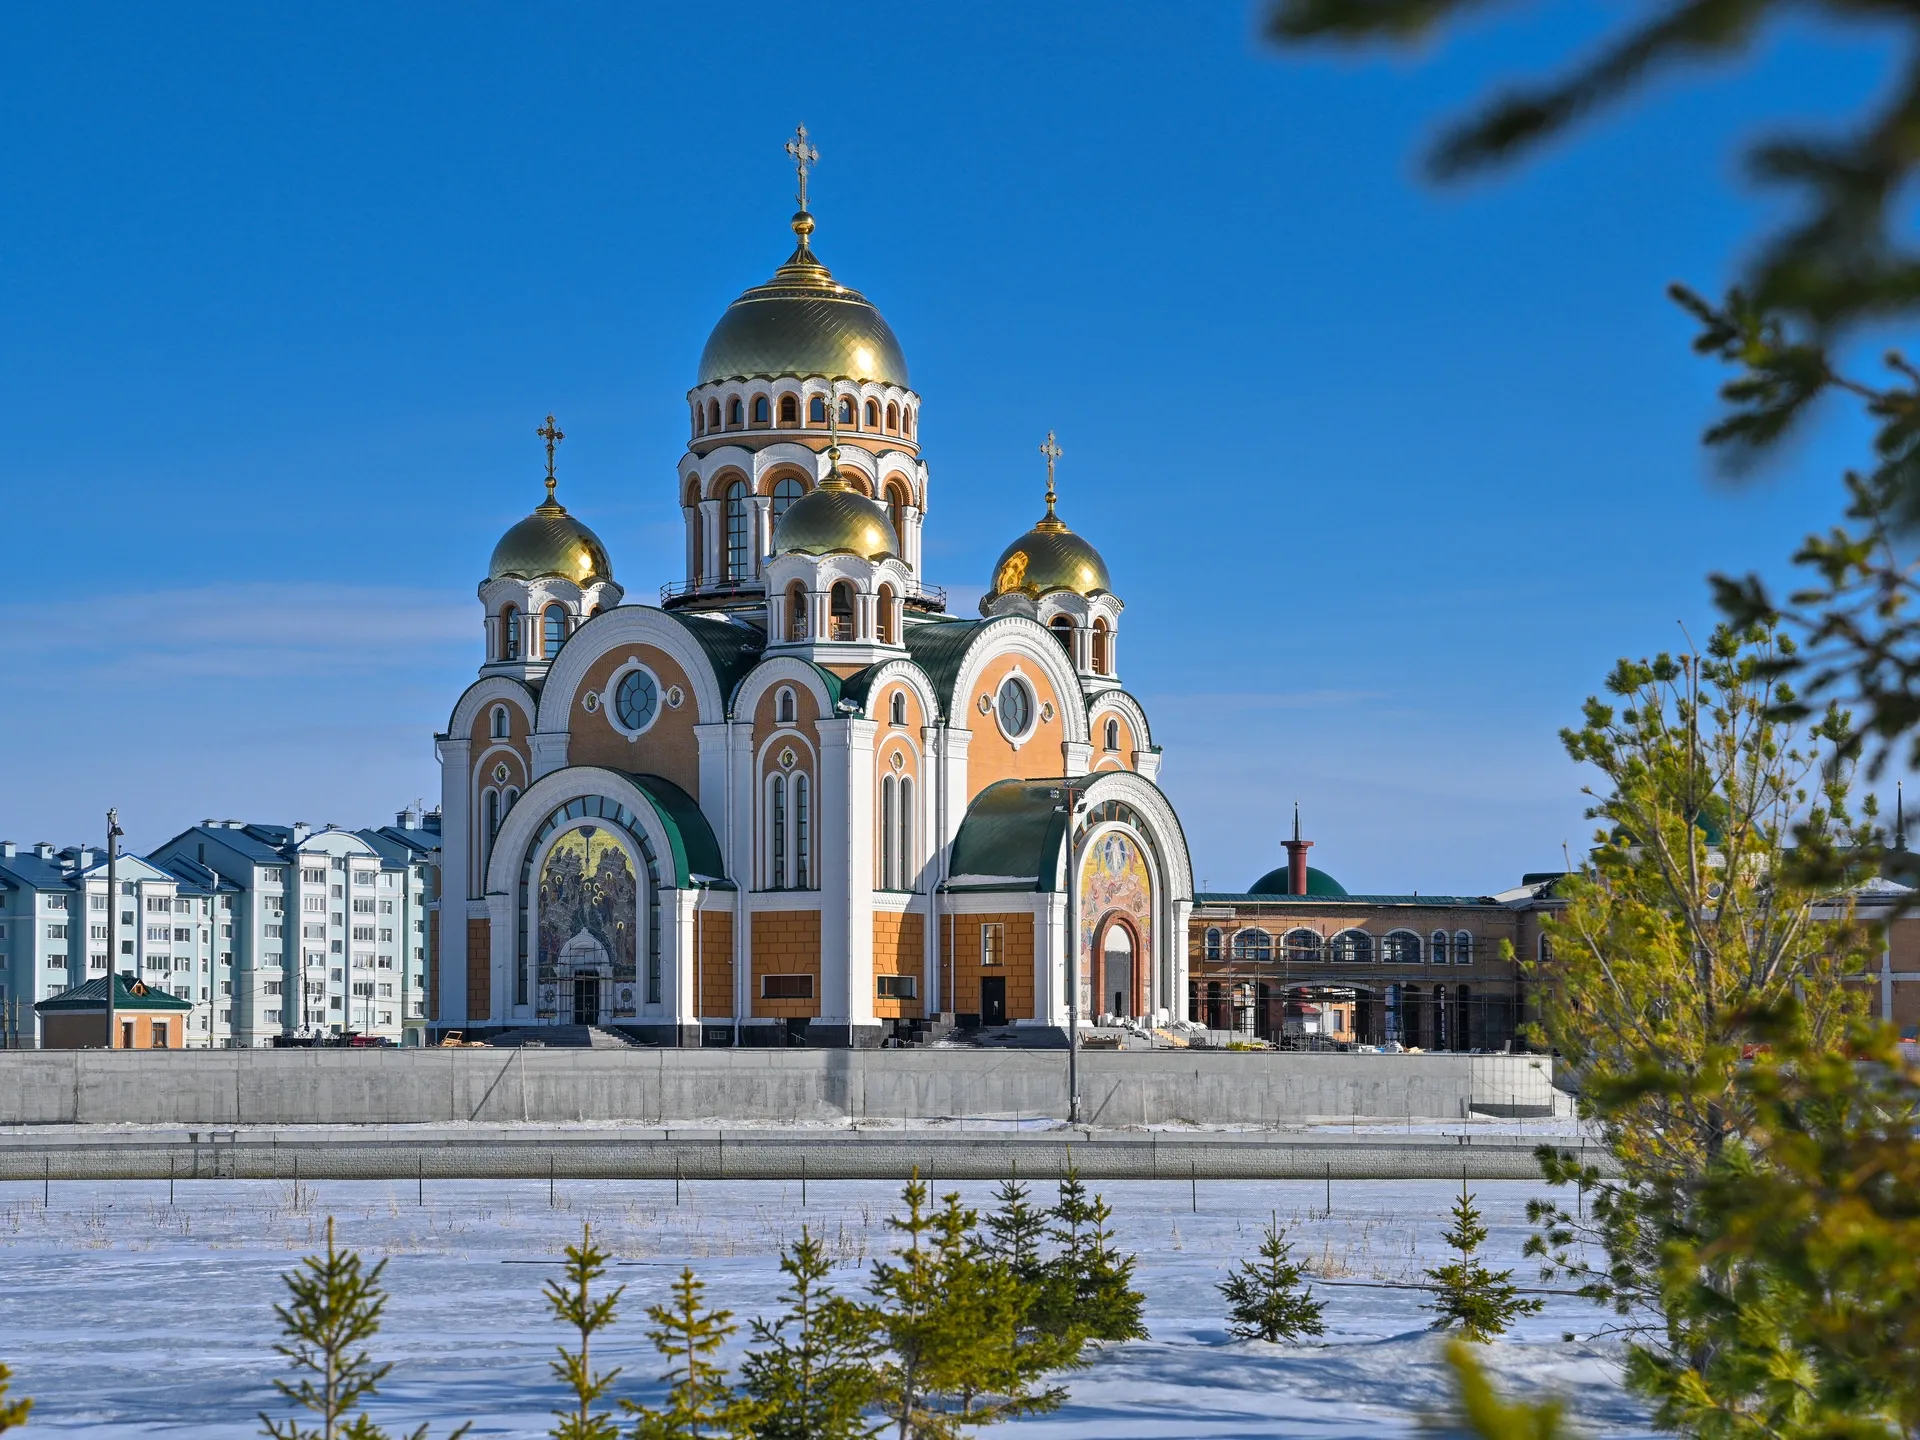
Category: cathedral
[797,800]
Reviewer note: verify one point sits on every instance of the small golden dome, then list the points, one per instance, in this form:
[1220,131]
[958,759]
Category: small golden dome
[550,542]
[836,519]
[1048,557]
[802,323]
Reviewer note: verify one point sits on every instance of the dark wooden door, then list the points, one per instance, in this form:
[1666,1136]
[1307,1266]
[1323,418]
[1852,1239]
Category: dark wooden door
[993,1000]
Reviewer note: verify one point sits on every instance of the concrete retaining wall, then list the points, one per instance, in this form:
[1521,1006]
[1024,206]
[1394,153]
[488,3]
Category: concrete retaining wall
[679,1087]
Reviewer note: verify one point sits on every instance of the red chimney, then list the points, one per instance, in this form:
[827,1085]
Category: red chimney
[1297,857]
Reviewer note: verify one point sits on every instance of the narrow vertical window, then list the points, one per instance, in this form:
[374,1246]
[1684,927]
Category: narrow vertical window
[840,612]
[1113,734]
[778,832]
[898,714]
[553,630]
[889,867]
[785,491]
[499,722]
[802,837]
[509,634]
[789,410]
[883,610]
[905,846]
[738,525]
[1102,649]
[817,410]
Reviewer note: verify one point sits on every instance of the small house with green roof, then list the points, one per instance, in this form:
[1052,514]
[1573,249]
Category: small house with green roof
[134,1016]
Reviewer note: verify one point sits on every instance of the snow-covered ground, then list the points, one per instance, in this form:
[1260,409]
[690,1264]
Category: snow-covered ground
[124,1315]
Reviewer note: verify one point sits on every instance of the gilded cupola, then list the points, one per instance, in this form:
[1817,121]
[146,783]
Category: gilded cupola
[550,542]
[834,519]
[1048,557]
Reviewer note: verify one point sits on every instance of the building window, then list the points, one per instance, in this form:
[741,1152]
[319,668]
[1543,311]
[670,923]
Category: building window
[1351,947]
[1303,947]
[713,414]
[761,411]
[777,830]
[1437,947]
[735,415]
[905,846]
[739,524]
[906,419]
[883,612]
[509,633]
[783,706]
[897,510]
[896,987]
[1113,735]
[786,490]
[796,611]
[786,987]
[893,417]
[889,858]
[1462,948]
[789,410]
[553,630]
[637,700]
[1015,708]
[1400,947]
[1062,627]
[1546,949]
[817,410]
[840,612]
[802,833]
[1254,945]
[846,409]
[1211,946]
[1102,648]
[993,944]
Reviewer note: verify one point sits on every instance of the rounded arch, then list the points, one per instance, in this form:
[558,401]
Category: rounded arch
[899,672]
[622,627]
[1302,946]
[1029,639]
[1133,987]
[1351,947]
[479,696]
[1253,943]
[1400,947]
[782,670]
[716,483]
[1132,714]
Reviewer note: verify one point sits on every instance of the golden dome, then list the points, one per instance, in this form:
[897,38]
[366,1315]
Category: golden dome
[802,323]
[836,519]
[550,542]
[1048,557]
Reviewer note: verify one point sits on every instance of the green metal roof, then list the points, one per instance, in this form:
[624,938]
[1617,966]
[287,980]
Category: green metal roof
[939,647]
[732,650]
[1015,828]
[128,994]
[1223,897]
[1277,882]
[695,851]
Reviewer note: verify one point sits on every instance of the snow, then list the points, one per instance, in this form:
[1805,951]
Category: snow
[124,1315]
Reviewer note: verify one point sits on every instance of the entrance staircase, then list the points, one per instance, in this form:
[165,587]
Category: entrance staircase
[566,1037]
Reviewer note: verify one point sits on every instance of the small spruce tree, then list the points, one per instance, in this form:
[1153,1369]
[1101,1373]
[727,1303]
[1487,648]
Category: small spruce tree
[1482,1303]
[700,1403]
[1266,1300]
[814,1374]
[1015,1233]
[573,1303]
[333,1308]
[12,1412]
[907,1290]
[1089,1285]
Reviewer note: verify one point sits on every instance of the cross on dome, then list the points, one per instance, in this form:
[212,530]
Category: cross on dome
[1053,452]
[805,157]
[553,435]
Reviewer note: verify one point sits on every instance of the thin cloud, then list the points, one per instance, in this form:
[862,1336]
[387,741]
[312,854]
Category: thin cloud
[1248,700]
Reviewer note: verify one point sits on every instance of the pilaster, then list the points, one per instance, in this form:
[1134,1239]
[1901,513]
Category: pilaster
[549,751]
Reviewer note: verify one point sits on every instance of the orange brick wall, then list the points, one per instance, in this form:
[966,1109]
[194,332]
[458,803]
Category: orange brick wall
[962,934]
[786,942]
[898,941]
[715,962]
[990,756]
[668,749]
[479,966]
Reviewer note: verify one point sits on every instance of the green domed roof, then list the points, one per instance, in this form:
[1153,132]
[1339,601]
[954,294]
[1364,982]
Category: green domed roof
[836,519]
[801,322]
[550,542]
[1280,882]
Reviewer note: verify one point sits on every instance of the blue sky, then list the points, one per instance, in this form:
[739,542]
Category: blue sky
[1386,476]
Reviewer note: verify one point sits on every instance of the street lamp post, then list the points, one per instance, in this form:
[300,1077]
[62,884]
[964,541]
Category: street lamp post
[1073,809]
[114,833]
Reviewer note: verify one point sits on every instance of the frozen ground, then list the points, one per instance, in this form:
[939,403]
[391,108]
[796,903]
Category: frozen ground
[124,1315]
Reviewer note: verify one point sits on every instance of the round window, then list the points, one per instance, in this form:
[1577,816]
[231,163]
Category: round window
[1016,707]
[637,701]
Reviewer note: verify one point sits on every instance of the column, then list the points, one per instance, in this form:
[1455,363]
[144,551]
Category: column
[845,844]
[456,883]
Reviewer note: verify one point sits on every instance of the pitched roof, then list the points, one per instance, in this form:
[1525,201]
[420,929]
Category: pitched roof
[128,994]
[1013,830]
[939,647]
[731,649]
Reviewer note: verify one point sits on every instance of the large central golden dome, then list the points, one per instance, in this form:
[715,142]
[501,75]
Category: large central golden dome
[802,323]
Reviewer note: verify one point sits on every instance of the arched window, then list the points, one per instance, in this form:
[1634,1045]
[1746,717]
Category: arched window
[883,612]
[783,706]
[1462,948]
[509,634]
[553,630]
[789,410]
[889,829]
[1113,734]
[713,414]
[817,410]
[1211,949]
[796,611]
[735,416]
[802,833]
[490,807]
[846,410]
[1303,947]
[873,415]
[897,510]
[1252,945]
[1437,947]
[1102,648]
[1062,627]
[893,416]
[499,725]
[699,418]
[697,534]
[1400,947]
[905,845]
[739,527]
[1546,949]
[506,800]
[786,490]
[898,712]
[777,832]
[1351,947]
[762,412]
[840,611]
[906,419]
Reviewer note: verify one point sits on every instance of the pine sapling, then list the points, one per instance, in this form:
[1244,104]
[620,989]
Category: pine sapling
[1482,1303]
[814,1374]
[573,1303]
[699,1402]
[1266,1299]
[907,1292]
[12,1412]
[1089,1285]
[333,1308]
[1015,1233]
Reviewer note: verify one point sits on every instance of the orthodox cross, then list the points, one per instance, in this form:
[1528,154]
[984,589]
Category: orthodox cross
[1053,452]
[553,435]
[805,157]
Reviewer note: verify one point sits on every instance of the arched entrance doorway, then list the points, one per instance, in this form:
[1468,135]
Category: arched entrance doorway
[1117,970]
